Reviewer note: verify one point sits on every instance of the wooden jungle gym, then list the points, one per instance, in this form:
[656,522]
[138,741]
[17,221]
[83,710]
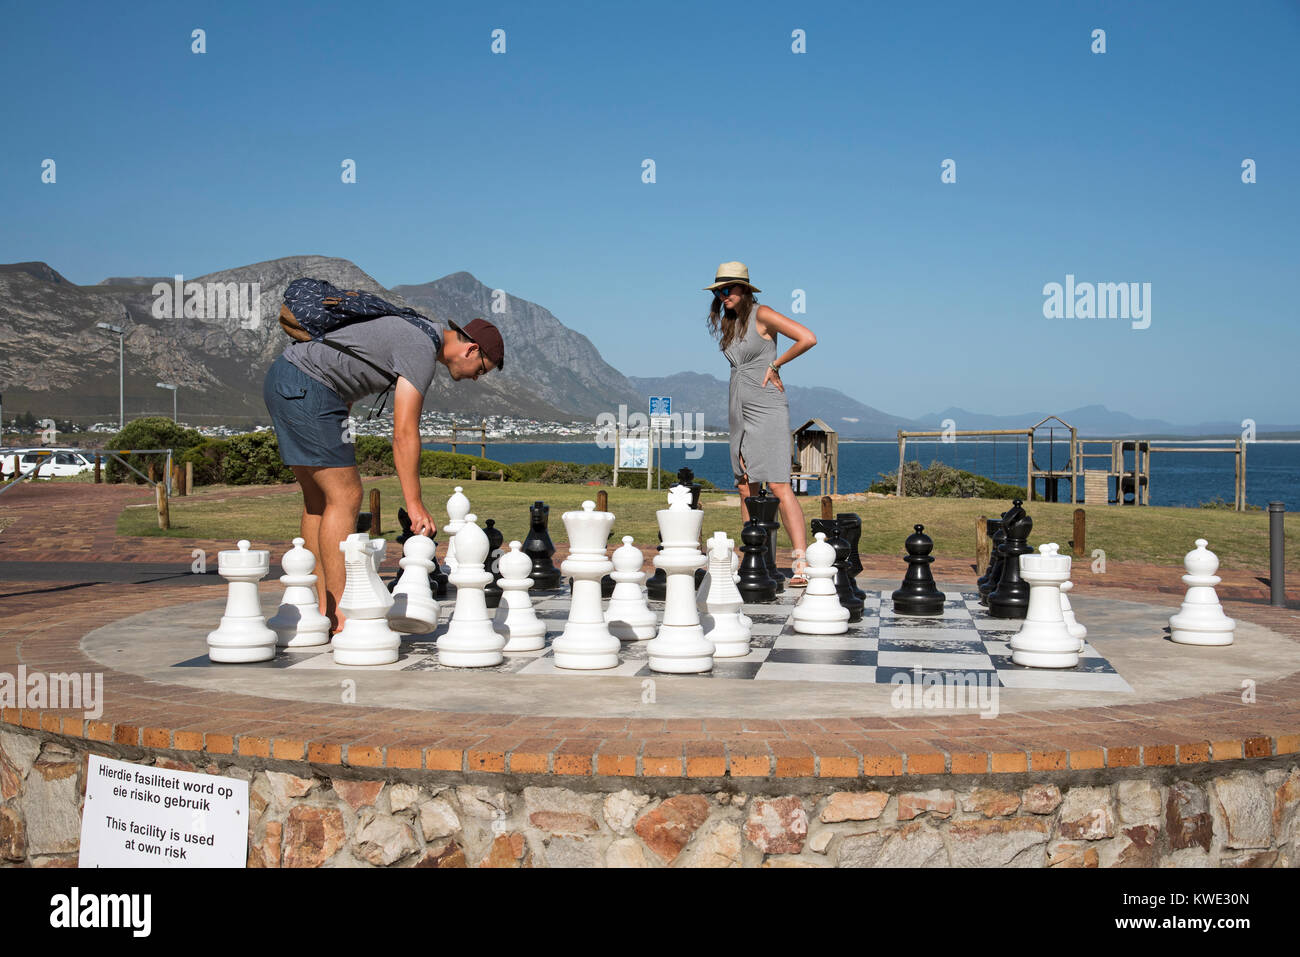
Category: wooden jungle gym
[1126,460]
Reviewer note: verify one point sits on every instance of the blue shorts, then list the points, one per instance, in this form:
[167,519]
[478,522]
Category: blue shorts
[310,418]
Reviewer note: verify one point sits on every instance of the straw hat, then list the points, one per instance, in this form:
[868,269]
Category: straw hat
[729,273]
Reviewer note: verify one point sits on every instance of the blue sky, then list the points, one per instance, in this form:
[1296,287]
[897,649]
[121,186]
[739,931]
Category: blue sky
[819,170]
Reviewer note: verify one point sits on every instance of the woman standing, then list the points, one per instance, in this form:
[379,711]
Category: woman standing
[758,411]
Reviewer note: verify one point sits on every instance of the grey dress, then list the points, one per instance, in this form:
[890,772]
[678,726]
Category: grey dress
[759,417]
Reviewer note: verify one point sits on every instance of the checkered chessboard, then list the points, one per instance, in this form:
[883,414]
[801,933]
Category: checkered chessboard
[951,646]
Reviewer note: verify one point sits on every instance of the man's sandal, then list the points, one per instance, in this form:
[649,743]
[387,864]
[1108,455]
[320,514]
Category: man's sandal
[799,566]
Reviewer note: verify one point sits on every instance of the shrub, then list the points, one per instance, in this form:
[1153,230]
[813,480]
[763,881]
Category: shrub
[943,481]
[374,455]
[254,459]
[1219,502]
[151,432]
[456,466]
[209,461]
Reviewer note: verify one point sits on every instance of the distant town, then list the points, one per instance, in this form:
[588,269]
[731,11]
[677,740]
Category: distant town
[433,426]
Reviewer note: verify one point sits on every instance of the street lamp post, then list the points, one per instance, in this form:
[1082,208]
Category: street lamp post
[174,388]
[121,380]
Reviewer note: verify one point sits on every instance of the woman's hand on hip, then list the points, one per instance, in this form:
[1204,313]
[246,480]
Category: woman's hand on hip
[773,377]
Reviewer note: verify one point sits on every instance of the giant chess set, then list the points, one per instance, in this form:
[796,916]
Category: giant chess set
[709,610]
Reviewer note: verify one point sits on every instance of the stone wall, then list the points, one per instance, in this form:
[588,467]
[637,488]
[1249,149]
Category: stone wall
[1229,814]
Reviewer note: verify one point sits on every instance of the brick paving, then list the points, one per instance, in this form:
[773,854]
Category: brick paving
[42,623]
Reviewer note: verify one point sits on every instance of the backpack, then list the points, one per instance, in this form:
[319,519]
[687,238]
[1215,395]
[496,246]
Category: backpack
[313,308]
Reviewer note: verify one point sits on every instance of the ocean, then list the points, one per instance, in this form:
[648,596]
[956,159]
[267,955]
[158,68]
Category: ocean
[1272,468]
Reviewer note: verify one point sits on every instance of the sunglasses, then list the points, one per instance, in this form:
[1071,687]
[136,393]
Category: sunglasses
[725,291]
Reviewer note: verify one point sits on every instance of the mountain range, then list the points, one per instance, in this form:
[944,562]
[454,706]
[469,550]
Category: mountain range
[55,362]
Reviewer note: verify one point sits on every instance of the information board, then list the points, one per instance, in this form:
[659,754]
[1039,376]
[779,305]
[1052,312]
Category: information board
[634,453]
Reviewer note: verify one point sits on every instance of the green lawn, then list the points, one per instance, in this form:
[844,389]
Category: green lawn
[1148,534]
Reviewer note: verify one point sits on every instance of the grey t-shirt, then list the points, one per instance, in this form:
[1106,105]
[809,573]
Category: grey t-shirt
[390,342]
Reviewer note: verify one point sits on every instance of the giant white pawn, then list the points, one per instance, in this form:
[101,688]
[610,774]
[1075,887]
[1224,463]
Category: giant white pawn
[457,512]
[1201,620]
[1067,612]
[586,643]
[470,641]
[729,635]
[629,616]
[680,646]
[415,610]
[515,619]
[1044,641]
[298,622]
[365,638]
[242,635]
[819,611]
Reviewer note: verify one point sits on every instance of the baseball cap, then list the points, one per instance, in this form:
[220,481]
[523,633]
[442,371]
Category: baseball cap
[488,338]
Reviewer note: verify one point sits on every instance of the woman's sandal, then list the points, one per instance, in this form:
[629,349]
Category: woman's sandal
[799,566]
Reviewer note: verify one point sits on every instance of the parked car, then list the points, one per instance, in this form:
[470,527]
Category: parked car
[53,463]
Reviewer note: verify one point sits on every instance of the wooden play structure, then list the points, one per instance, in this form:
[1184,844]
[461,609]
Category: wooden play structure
[1126,460]
[815,448]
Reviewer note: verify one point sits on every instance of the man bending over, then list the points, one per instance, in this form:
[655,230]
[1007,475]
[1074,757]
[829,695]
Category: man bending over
[309,391]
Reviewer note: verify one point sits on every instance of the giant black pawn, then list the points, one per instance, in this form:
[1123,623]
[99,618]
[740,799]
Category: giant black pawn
[492,591]
[990,580]
[918,595]
[851,529]
[762,510]
[539,548]
[768,509]
[755,585]
[437,577]
[843,583]
[993,529]
[656,585]
[1010,599]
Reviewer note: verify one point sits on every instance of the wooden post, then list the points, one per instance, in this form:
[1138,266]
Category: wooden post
[902,451]
[1029,467]
[602,501]
[828,508]
[502,473]
[164,517]
[1241,507]
[981,543]
[152,476]
[1080,530]
[375,526]
[99,475]
[482,435]
[617,452]
[1074,467]
[473,473]
[189,478]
